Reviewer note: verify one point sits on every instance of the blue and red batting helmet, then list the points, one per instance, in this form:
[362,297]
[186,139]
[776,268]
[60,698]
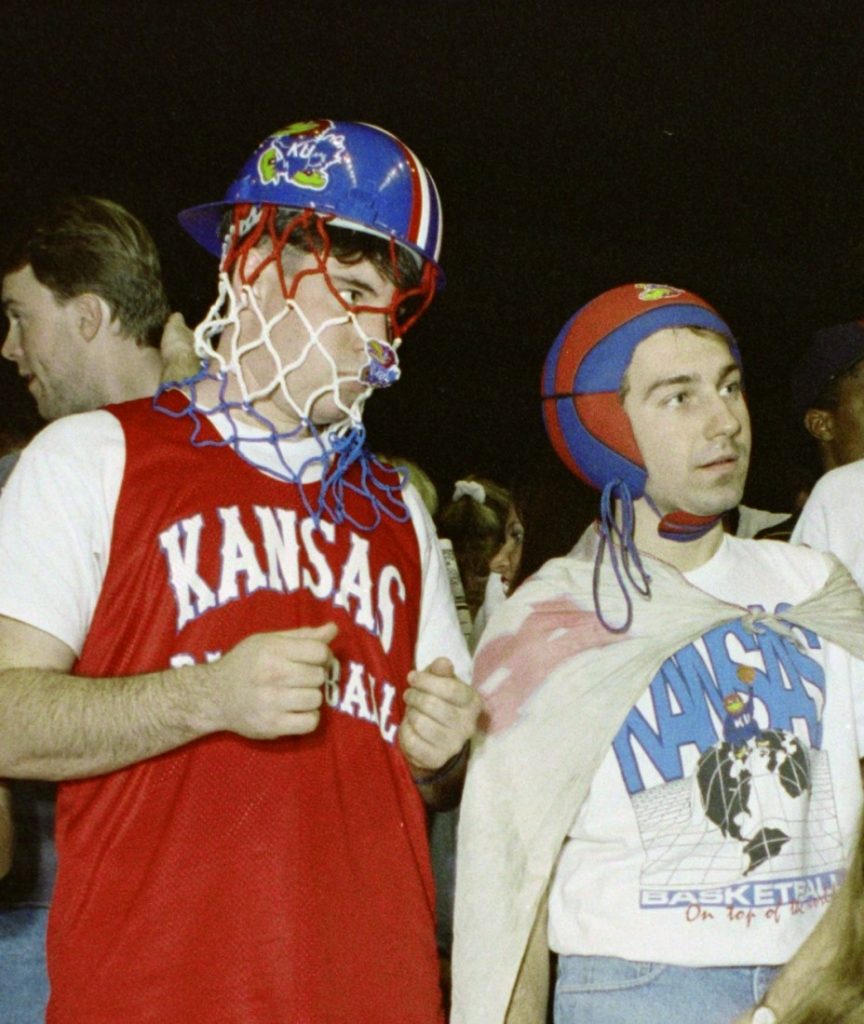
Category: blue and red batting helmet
[361,176]
[584,370]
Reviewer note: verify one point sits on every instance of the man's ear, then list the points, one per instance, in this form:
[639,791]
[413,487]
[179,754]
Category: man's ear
[820,424]
[90,313]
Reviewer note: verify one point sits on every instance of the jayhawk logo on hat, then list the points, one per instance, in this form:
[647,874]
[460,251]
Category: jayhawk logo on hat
[652,292]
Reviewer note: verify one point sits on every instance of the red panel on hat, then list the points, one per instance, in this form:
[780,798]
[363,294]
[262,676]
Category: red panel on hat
[559,443]
[603,415]
[608,312]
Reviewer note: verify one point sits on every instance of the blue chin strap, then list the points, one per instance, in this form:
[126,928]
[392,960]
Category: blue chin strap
[619,541]
[623,554]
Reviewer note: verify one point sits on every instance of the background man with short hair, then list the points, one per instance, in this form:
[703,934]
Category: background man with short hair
[85,306]
[80,289]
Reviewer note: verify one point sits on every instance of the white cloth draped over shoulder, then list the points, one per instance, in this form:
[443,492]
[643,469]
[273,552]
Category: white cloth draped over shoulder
[557,687]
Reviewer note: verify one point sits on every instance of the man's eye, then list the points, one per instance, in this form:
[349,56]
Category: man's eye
[679,398]
[350,296]
[732,388]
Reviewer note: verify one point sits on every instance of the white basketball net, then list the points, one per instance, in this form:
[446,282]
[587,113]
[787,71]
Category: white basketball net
[227,349]
[220,328]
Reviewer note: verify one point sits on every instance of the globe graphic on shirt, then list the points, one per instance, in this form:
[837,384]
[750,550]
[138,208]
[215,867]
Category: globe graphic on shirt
[752,782]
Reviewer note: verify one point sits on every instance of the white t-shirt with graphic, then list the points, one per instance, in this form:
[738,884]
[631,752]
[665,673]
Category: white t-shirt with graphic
[724,815]
[831,519]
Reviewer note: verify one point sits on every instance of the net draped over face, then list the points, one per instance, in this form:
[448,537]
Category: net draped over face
[243,330]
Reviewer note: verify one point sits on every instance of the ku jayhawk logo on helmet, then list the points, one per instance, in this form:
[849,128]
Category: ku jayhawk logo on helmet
[653,292]
[301,154]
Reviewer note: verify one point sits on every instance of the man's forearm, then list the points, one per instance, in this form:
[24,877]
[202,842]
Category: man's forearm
[54,725]
[57,726]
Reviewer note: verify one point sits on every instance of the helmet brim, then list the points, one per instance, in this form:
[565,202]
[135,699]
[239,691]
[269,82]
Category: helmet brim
[204,224]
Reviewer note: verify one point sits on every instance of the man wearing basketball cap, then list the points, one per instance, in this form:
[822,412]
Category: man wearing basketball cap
[670,757]
[234,642]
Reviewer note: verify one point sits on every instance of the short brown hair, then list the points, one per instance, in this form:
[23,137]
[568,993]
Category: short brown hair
[347,245]
[291,233]
[84,244]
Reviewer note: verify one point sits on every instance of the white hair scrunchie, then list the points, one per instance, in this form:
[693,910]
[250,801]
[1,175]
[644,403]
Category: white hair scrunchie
[471,489]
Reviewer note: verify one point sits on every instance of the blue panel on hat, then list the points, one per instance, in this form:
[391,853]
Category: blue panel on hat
[597,460]
[604,366]
[550,366]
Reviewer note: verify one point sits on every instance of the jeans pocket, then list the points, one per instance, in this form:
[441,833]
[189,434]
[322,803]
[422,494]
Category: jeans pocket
[604,974]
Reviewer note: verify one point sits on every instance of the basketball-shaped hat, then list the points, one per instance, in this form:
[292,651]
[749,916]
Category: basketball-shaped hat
[582,375]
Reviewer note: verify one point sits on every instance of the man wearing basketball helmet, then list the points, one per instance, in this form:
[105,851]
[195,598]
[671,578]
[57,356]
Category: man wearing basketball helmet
[240,647]
[670,761]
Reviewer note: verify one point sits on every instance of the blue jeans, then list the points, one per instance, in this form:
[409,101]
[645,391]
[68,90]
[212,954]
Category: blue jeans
[605,990]
[23,978]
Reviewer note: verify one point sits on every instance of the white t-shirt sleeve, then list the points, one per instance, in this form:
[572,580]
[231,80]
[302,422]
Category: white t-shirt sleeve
[56,520]
[812,526]
[830,521]
[439,633]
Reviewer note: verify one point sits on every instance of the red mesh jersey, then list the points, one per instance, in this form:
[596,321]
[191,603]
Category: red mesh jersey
[234,880]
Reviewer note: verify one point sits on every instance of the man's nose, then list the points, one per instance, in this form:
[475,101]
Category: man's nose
[10,349]
[722,419]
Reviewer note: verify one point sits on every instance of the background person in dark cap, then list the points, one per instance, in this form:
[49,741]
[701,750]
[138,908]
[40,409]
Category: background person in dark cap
[826,390]
[828,393]
[832,519]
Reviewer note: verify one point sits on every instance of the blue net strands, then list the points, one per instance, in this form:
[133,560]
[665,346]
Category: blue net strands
[229,405]
[338,451]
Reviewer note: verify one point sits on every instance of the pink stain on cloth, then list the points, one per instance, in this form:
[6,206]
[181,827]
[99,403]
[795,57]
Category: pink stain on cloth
[512,666]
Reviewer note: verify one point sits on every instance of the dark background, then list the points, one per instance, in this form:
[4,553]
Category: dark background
[577,145]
